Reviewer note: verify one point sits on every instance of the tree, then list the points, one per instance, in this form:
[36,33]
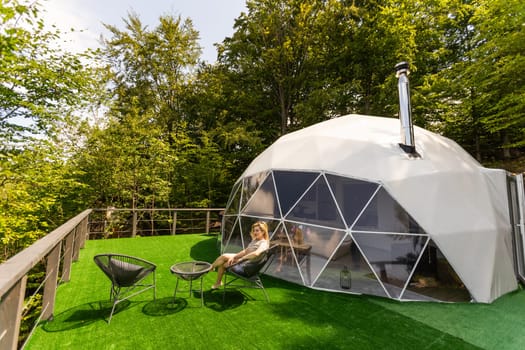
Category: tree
[127,164]
[498,72]
[476,95]
[35,189]
[305,62]
[161,120]
[151,68]
[40,83]
[224,141]
[269,57]
[40,88]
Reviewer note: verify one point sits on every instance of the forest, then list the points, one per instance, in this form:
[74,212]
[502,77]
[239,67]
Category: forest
[144,122]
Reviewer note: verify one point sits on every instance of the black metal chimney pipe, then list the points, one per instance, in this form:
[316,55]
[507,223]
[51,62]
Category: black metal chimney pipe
[405,115]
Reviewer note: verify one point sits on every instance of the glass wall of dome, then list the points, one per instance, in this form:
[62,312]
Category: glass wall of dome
[341,234]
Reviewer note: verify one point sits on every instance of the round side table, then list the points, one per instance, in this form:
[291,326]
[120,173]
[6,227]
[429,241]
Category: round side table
[190,271]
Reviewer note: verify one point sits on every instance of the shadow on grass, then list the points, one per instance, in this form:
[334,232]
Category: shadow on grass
[205,250]
[216,301]
[164,306]
[83,315]
[213,300]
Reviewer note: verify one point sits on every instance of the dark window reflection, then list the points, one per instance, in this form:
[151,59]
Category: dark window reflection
[317,207]
[435,279]
[361,278]
[291,185]
[393,257]
[351,196]
[304,246]
[229,221]
[384,214]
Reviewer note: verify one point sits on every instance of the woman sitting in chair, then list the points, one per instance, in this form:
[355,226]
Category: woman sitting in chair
[260,242]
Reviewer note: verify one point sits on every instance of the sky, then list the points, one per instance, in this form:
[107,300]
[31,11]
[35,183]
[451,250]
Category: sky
[213,19]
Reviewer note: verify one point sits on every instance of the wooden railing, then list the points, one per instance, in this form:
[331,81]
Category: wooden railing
[117,223]
[65,242]
[58,249]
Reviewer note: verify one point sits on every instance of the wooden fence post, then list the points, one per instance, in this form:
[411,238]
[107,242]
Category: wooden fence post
[68,255]
[83,229]
[50,286]
[134,228]
[11,314]
[174,227]
[207,221]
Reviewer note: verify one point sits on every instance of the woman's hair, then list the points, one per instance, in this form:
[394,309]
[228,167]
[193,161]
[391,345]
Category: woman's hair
[264,228]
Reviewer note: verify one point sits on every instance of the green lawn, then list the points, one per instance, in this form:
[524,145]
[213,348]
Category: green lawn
[295,318]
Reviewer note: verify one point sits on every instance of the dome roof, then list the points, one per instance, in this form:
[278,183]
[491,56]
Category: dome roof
[363,147]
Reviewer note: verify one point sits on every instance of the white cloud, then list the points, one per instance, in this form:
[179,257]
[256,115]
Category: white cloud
[213,19]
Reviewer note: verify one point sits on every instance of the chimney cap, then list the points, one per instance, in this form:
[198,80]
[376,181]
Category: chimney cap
[402,66]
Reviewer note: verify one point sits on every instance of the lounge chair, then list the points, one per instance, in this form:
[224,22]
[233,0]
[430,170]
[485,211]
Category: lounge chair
[251,277]
[127,275]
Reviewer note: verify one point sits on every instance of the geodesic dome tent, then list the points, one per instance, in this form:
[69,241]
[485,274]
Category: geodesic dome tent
[352,212]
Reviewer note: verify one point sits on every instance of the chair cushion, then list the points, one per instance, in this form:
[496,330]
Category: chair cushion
[249,268]
[125,273]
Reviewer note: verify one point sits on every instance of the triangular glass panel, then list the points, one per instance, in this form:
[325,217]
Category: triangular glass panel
[317,206]
[384,214]
[263,202]
[283,265]
[246,226]
[348,271]
[392,257]
[274,227]
[234,202]
[291,185]
[250,185]
[351,195]
[229,222]
[434,279]
[309,247]
[233,240]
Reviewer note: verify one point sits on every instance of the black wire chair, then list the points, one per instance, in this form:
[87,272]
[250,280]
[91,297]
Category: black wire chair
[127,275]
[247,274]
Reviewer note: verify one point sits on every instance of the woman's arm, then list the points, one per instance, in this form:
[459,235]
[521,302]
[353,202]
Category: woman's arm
[238,256]
[255,253]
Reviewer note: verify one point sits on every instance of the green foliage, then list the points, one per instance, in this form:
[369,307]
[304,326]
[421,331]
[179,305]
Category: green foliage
[295,63]
[269,58]
[165,144]
[498,69]
[127,164]
[34,186]
[40,84]
[477,97]
[173,132]
[289,64]
[298,63]
[41,88]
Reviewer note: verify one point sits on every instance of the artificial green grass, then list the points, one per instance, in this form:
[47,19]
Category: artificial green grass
[295,318]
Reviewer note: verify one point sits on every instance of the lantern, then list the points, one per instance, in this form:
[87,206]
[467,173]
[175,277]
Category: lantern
[346,278]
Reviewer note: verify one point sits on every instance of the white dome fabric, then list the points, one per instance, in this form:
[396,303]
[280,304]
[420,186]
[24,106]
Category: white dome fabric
[458,207]
[363,147]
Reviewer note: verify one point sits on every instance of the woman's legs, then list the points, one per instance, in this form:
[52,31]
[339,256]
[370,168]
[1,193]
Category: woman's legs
[222,260]
[220,273]
[220,263]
